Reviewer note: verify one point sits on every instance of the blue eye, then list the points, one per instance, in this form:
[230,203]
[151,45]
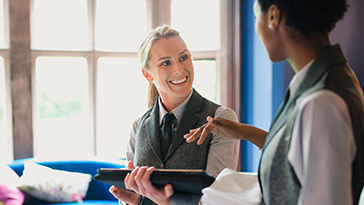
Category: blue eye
[165,63]
[184,57]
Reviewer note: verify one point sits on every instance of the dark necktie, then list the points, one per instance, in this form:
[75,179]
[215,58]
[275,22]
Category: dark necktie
[167,122]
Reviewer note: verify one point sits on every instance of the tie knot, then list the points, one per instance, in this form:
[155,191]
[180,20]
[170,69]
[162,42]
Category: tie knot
[168,119]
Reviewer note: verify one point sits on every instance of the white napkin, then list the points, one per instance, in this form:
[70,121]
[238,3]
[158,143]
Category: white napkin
[231,187]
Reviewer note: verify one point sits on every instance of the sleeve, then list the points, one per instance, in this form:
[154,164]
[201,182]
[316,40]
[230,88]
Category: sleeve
[130,149]
[224,152]
[322,149]
[179,198]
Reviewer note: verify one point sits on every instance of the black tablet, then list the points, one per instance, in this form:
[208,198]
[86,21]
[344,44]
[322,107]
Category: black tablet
[183,180]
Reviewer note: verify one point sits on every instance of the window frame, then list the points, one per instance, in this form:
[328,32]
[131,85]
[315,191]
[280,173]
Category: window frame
[5,54]
[158,11]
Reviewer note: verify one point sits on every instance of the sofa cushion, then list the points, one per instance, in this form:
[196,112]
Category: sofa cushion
[9,193]
[88,202]
[52,185]
[96,191]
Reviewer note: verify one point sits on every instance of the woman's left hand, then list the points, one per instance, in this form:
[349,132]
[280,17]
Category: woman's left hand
[139,181]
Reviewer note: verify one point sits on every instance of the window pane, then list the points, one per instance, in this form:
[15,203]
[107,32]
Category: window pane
[205,78]
[198,22]
[121,99]
[60,25]
[121,25]
[4,139]
[63,124]
[2,25]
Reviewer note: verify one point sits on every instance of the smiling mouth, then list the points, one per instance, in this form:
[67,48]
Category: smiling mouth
[179,81]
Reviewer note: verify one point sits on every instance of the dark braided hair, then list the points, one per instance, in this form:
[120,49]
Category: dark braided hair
[309,16]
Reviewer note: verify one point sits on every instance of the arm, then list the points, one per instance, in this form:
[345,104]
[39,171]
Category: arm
[130,149]
[227,128]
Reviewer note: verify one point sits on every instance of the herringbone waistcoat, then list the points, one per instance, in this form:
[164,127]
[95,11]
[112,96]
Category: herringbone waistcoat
[330,71]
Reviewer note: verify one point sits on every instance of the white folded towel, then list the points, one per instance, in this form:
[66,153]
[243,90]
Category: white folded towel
[231,187]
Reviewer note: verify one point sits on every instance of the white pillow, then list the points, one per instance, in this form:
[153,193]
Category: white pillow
[52,185]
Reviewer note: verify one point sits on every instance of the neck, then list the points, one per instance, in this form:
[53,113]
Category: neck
[171,102]
[305,50]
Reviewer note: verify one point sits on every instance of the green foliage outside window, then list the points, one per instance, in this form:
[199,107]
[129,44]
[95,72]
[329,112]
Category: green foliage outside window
[63,106]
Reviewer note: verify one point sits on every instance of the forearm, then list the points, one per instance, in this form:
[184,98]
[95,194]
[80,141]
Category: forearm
[254,135]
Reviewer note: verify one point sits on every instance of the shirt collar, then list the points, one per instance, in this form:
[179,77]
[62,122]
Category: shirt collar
[298,77]
[178,111]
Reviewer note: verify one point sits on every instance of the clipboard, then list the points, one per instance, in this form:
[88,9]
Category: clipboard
[190,181]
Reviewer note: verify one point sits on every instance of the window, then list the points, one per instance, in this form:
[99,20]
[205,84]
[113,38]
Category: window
[5,123]
[60,25]
[4,139]
[87,86]
[3,33]
[62,108]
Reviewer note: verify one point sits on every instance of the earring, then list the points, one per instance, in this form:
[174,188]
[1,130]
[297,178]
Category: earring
[270,26]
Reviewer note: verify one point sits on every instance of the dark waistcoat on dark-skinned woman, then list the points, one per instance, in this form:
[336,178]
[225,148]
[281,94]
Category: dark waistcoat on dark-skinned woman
[330,71]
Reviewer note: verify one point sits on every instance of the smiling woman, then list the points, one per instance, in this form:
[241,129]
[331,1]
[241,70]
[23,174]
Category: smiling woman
[168,66]
[171,70]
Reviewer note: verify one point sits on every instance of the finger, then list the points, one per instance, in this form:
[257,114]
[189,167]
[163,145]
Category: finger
[149,188]
[138,180]
[129,180]
[193,136]
[130,165]
[192,131]
[124,195]
[207,129]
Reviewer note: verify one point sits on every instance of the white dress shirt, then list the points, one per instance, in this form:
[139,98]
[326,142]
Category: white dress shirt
[322,147]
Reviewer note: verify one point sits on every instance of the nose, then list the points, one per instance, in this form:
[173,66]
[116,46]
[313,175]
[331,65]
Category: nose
[178,68]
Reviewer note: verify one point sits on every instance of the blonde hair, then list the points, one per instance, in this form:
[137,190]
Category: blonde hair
[160,32]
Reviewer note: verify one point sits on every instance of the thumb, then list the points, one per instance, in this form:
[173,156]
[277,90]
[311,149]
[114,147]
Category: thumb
[130,165]
[168,190]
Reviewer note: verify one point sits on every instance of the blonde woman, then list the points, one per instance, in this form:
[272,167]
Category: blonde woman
[168,65]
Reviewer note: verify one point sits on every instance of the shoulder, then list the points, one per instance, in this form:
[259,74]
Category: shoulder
[323,111]
[227,113]
[323,100]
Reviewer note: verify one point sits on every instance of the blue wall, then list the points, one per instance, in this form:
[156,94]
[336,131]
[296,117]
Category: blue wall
[260,96]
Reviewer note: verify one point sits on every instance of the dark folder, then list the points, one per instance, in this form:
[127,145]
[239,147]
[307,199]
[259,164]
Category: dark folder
[183,180]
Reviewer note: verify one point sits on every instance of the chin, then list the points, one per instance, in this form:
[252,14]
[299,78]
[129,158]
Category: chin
[276,59]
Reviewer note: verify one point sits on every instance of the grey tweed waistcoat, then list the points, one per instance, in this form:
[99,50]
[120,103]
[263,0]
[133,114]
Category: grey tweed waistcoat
[330,71]
[181,155]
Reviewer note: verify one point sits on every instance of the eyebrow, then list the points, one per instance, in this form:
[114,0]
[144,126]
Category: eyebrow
[170,56]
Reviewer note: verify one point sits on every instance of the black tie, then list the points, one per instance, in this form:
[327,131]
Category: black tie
[167,122]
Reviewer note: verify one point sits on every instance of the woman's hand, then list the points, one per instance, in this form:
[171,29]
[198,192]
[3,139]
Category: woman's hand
[124,195]
[227,128]
[139,181]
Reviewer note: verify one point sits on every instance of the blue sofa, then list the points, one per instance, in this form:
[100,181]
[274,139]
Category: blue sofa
[98,192]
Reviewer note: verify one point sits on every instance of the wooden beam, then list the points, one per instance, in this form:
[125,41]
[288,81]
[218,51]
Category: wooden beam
[20,75]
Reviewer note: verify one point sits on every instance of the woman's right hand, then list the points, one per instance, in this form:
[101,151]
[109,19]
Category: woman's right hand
[227,128]
[124,195]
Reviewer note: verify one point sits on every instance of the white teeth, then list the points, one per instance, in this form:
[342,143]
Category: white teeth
[179,81]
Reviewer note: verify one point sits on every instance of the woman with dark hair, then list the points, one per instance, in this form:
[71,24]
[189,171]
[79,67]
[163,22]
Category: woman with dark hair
[313,152]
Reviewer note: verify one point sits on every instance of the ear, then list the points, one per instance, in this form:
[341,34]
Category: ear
[147,75]
[274,17]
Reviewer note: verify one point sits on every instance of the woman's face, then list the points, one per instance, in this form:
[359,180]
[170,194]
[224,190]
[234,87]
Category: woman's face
[171,69]
[268,35]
